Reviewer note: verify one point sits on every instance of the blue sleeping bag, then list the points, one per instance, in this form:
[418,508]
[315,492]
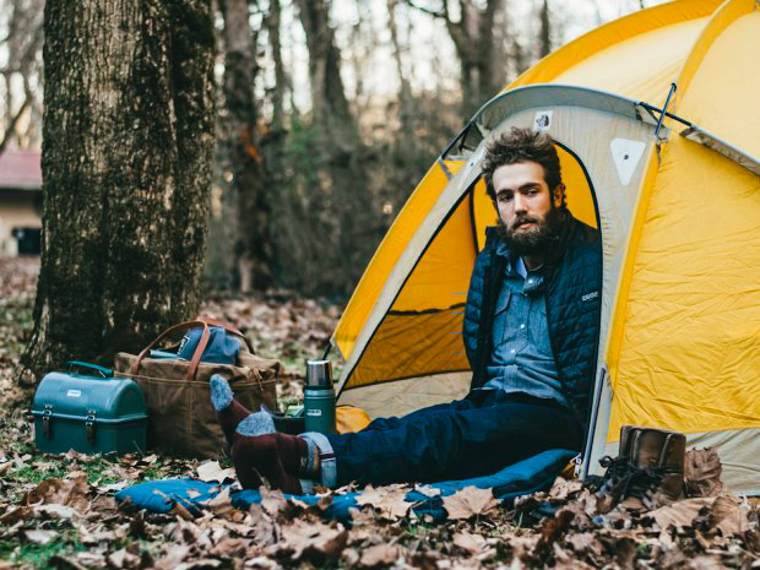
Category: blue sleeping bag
[536,473]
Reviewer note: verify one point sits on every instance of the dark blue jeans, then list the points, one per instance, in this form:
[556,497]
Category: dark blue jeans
[465,438]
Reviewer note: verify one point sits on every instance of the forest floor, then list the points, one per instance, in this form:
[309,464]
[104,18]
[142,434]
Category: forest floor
[59,511]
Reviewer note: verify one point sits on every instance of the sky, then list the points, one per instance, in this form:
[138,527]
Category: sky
[430,56]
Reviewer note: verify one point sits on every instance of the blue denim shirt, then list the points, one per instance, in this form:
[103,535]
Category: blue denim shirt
[522,359]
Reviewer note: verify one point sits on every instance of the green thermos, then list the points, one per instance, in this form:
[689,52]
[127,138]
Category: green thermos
[319,397]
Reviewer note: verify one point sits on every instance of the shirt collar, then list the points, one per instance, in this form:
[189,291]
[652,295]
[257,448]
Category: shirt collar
[533,280]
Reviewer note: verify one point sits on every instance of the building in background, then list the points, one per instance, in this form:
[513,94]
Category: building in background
[20,203]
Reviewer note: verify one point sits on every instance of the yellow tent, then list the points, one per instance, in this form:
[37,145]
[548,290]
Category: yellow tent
[676,195]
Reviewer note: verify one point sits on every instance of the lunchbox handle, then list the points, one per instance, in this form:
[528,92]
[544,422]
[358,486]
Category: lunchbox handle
[199,350]
[75,365]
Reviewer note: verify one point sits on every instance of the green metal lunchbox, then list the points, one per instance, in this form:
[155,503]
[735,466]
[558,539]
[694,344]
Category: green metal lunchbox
[90,413]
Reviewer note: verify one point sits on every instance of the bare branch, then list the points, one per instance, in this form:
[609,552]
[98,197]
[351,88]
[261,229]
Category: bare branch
[426,10]
[10,129]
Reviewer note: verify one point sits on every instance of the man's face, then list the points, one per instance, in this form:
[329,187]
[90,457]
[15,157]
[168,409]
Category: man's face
[525,202]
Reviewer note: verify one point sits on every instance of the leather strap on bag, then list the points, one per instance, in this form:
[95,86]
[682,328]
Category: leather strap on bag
[199,350]
[228,327]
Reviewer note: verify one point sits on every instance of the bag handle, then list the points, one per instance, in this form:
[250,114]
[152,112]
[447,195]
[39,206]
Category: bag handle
[228,327]
[202,343]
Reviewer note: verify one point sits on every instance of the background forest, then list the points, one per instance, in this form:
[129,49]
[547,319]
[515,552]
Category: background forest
[327,114]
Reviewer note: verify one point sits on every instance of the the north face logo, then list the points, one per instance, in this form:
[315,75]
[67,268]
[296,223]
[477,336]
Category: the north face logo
[590,296]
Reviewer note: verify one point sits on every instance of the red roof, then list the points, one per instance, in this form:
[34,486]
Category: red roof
[20,169]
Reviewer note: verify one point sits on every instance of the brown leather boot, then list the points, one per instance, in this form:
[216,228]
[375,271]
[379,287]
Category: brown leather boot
[657,461]
[612,485]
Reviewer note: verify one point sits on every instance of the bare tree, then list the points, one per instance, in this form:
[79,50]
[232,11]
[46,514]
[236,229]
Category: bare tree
[330,106]
[23,44]
[545,30]
[242,156]
[128,139]
[471,27]
[282,82]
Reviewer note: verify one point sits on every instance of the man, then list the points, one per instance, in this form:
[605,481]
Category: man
[531,328]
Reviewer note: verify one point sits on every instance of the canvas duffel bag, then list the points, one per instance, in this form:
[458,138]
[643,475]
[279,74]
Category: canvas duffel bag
[182,421]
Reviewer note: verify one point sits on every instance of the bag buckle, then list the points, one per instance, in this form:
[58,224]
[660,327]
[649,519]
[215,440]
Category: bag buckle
[89,427]
[46,420]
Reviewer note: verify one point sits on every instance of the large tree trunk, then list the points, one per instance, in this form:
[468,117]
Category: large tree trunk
[242,150]
[127,148]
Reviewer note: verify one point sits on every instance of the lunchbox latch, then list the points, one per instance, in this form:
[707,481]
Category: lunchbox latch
[47,414]
[89,426]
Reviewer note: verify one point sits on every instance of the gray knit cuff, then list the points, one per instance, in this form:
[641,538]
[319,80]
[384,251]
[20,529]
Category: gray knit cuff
[327,466]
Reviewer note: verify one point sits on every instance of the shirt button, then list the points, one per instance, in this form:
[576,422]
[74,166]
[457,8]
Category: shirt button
[522,326]
[512,351]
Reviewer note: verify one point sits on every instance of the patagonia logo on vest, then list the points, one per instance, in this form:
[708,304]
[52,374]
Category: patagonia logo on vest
[590,296]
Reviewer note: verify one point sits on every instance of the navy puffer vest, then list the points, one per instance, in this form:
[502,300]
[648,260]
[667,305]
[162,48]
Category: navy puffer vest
[573,283]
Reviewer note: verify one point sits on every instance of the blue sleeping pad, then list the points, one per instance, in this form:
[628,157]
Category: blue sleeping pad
[534,474]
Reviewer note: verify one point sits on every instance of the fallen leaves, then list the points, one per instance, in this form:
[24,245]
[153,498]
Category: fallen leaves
[472,543]
[64,505]
[379,556]
[73,493]
[390,501]
[318,542]
[680,514]
[212,472]
[702,473]
[469,502]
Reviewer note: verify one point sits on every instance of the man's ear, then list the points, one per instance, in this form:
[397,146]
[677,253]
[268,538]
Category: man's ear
[558,195]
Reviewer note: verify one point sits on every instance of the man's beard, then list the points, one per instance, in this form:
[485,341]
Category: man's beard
[535,241]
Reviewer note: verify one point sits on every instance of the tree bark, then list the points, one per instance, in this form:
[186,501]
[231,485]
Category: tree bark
[330,107]
[128,138]
[545,34]
[281,79]
[242,151]
[481,71]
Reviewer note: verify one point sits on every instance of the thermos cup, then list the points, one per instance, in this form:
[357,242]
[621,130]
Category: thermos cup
[319,397]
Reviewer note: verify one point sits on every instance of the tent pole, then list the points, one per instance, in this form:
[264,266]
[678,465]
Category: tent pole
[664,111]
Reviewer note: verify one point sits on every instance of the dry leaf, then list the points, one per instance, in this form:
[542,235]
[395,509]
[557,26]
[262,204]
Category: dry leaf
[472,543]
[390,501]
[584,542]
[553,529]
[220,504]
[273,501]
[728,516]
[317,541]
[180,511]
[113,487]
[41,537]
[72,493]
[427,490]
[173,557]
[680,514]
[378,556]
[211,472]
[469,502]
[56,511]
[562,488]
[702,473]
[15,514]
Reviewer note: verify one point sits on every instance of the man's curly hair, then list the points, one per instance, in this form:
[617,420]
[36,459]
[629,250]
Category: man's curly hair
[521,145]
